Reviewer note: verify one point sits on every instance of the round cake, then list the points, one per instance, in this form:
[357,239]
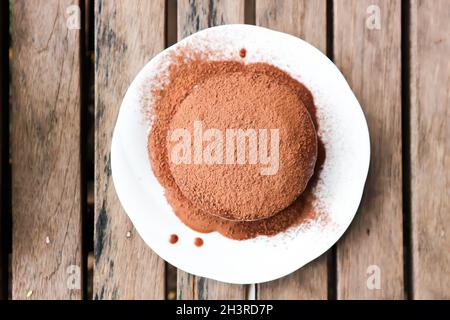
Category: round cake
[249,134]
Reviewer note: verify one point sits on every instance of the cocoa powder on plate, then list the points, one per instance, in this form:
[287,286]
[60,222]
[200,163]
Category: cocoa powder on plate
[251,102]
[184,75]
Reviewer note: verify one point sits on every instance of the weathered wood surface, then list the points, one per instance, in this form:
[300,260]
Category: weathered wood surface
[4,83]
[45,146]
[192,17]
[45,149]
[307,20]
[200,14]
[370,59]
[128,34]
[430,158]
[301,18]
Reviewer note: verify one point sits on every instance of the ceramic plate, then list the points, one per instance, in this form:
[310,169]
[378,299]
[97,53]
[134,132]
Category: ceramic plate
[343,129]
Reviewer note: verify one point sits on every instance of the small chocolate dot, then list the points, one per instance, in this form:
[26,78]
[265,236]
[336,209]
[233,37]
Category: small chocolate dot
[198,242]
[242,53]
[173,238]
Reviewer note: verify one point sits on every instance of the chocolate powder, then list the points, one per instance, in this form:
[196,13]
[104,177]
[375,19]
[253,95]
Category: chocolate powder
[248,101]
[183,77]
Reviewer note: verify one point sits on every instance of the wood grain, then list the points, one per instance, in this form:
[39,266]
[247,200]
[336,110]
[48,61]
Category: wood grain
[308,283]
[370,60]
[200,14]
[45,149]
[126,38]
[4,83]
[304,19]
[307,20]
[430,158]
[190,287]
[192,17]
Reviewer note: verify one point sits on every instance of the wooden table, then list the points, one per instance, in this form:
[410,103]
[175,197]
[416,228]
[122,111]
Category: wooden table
[398,67]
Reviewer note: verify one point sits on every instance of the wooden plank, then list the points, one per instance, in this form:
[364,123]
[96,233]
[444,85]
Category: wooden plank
[430,158]
[45,148]
[4,83]
[308,283]
[196,15]
[192,17]
[370,60]
[126,38]
[304,19]
[307,20]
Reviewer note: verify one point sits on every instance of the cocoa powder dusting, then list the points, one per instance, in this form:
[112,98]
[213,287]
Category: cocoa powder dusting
[295,209]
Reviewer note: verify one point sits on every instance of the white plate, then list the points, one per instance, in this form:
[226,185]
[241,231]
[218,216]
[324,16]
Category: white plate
[343,128]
